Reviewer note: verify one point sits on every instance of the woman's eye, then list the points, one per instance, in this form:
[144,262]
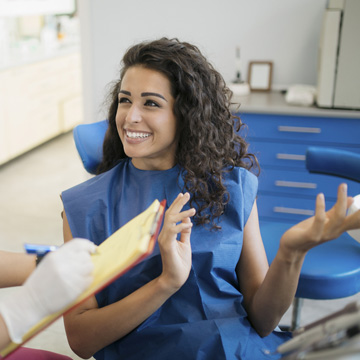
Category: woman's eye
[151,103]
[123,100]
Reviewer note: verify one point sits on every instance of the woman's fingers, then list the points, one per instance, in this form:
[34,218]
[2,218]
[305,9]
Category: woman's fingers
[177,221]
[341,204]
[324,226]
[174,215]
[336,220]
[319,218]
[186,230]
[337,215]
[179,202]
[178,217]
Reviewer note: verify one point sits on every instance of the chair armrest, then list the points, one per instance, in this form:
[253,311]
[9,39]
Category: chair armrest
[342,163]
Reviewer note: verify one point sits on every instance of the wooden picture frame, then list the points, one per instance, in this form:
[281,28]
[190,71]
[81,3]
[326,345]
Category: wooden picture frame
[260,75]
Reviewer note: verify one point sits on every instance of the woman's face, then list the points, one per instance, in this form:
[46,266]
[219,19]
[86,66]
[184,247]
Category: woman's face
[145,119]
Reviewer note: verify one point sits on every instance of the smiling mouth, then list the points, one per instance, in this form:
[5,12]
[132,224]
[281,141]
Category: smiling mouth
[136,135]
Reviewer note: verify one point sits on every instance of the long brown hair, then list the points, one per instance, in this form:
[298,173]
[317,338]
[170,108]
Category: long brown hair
[208,143]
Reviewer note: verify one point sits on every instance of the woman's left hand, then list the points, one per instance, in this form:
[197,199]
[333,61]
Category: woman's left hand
[323,226]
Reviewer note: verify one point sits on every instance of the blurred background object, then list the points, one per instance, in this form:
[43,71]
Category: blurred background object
[40,73]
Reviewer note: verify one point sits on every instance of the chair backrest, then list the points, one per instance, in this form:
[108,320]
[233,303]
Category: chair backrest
[89,140]
[330,161]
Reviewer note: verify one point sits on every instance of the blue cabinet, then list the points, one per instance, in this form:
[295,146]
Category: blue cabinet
[279,135]
[286,190]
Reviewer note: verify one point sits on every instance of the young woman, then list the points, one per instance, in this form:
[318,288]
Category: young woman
[171,131]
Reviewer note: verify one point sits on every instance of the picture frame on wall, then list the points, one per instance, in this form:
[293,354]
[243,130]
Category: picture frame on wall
[260,75]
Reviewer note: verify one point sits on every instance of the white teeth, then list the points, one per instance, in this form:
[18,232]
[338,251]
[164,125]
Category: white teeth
[135,135]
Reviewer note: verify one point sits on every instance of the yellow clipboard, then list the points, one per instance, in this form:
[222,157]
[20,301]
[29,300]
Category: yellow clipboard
[117,254]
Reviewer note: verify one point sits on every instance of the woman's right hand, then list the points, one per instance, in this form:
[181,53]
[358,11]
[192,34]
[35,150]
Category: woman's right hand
[176,254]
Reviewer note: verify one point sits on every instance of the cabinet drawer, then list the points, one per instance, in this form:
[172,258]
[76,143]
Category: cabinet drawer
[303,128]
[301,183]
[287,208]
[285,155]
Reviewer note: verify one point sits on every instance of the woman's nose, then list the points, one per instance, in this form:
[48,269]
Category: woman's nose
[133,115]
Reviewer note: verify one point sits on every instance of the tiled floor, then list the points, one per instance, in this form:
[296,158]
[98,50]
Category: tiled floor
[30,212]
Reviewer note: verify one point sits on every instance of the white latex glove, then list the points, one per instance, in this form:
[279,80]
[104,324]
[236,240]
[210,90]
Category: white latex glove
[58,280]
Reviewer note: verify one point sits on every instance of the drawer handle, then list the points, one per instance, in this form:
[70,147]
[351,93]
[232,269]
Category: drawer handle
[285,210]
[295,184]
[291,157]
[299,129]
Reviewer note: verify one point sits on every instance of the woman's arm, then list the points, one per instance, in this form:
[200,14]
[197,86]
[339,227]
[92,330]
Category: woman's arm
[90,328]
[15,268]
[268,294]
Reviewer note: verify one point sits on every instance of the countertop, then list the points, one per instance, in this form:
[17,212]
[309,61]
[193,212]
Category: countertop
[274,103]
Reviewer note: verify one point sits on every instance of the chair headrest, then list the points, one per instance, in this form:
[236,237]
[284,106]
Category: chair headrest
[89,140]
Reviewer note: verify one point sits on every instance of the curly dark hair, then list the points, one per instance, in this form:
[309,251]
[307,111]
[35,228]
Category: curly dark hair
[208,143]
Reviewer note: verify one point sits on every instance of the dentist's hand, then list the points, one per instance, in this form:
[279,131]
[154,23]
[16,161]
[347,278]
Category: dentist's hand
[58,280]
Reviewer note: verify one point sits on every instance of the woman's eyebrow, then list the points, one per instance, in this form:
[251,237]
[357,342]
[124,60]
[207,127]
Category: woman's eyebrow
[125,92]
[153,94]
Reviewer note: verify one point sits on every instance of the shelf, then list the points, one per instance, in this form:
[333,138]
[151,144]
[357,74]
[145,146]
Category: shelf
[274,103]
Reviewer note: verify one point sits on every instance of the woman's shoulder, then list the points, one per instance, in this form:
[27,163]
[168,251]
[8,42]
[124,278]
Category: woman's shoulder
[242,186]
[240,175]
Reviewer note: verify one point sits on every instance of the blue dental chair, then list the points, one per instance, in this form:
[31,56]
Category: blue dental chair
[330,271]
[89,139]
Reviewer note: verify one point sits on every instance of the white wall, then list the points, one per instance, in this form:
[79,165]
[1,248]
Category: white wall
[283,31]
